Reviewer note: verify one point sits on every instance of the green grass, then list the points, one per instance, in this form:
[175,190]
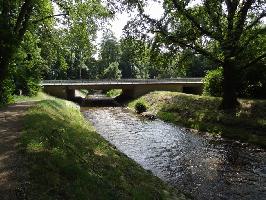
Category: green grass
[202,113]
[67,159]
[38,97]
[114,93]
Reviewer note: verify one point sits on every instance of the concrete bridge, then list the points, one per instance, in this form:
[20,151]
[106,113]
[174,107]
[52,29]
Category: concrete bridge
[131,88]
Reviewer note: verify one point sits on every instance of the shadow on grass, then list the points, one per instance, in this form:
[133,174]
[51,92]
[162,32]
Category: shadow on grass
[202,113]
[69,160]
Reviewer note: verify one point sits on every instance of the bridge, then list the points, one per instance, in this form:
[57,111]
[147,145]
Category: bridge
[131,88]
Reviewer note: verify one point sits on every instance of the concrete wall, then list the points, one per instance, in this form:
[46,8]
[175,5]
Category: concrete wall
[140,90]
[60,92]
[128,91]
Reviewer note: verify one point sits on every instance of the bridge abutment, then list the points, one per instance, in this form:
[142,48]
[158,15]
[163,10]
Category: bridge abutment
[64,93]
[140,90]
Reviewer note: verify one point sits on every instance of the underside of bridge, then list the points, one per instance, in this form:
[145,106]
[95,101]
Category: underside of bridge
[128,91]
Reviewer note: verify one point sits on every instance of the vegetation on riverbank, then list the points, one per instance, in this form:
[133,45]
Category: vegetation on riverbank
[67,159]
[202,113]
[40,96]
[114,93]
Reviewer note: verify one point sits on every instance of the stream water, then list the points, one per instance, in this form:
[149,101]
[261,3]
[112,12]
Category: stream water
[200,166]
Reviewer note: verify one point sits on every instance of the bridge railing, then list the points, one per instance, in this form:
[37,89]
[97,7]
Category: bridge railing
[113,81]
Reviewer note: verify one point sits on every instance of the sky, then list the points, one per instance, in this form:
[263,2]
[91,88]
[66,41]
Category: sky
[155,10]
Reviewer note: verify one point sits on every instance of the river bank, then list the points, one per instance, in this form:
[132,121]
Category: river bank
[67,159]
[201,113]
[201,167]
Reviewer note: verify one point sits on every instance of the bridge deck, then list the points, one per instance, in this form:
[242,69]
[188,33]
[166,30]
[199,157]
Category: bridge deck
[121,82]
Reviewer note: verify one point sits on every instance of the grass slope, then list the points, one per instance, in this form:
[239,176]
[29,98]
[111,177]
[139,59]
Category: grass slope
[67,159]
[202,113]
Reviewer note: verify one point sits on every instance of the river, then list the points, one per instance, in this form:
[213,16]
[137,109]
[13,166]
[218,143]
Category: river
[201,166]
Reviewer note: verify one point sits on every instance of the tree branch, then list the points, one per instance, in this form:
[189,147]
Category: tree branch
[231,9]
[256,21]
[193,20]
[242,15]
[254,61]
[25,8]
[215,19]
[48,17]
[185,44]
[252,37]
[25,24]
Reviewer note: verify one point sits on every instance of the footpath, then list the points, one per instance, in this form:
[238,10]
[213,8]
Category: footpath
[12,174]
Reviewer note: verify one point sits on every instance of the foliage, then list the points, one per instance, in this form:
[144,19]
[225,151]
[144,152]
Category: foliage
[135,58]
[140,107]
[28,66]
[224,32]
[191,65]
[203,113]
[38,97]
[6,92]
[32,41]
[16,18]
[213,83]
[114,93]
[254,82]
[112,71]
[110,50]
[69,160]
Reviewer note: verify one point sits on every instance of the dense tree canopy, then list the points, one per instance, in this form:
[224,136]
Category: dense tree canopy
[27,25]
[223,31]
[56,40]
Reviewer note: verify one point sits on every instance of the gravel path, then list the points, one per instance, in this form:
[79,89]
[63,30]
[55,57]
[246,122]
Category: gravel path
[13,177]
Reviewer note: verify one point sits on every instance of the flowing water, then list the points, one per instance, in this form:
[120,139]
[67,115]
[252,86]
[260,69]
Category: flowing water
[200,166]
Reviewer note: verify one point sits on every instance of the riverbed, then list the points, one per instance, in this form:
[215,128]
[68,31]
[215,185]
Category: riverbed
[202,167]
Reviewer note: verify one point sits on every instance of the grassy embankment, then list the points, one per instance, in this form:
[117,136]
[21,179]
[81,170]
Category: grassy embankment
[67,159]
[202,113]
[113,93]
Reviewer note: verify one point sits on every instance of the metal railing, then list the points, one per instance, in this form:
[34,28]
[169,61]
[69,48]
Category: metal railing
[120,81]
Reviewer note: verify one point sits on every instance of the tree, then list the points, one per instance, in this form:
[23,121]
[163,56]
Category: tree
[112,71]
[230,26]
[15,18]
[135,58]
[27,66]
[109,51]
[35,16]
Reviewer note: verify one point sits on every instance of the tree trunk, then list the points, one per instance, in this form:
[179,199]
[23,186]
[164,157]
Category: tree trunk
[6,56]
[229,101]
[4,64]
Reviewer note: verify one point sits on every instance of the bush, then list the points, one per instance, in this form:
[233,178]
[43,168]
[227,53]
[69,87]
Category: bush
[213,83]
[140,107]
[114,93]
[254,82]
[6,92]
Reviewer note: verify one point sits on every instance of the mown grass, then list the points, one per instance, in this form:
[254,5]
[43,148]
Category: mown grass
[67,159]
[38,97]
[202,113]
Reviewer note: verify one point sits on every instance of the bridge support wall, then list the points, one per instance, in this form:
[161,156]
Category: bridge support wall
[138,91]
[64,93]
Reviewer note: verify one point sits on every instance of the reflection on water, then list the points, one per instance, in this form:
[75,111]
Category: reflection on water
[201,167]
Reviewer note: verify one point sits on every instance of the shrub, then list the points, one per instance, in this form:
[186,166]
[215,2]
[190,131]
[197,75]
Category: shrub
[113,93]
[140,107]
[213,83]
[6,92]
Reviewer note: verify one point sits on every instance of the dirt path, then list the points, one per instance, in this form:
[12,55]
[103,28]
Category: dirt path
[12,175]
